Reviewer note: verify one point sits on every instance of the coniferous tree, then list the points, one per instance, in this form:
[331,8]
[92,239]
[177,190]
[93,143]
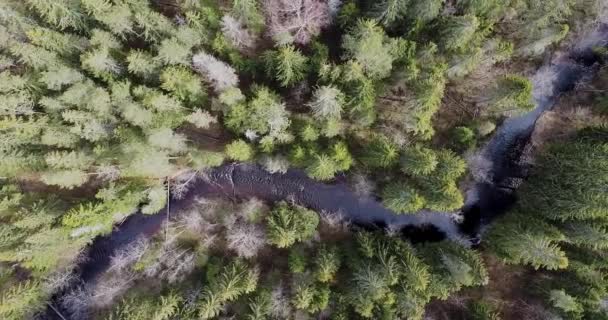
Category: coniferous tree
[327,263]
[457,31]
[389,11]
[322,167]
[380,153]
[368,45]
[402,198]
[289,224]
[418,161]
[287,65]
[239,150]
[327,102]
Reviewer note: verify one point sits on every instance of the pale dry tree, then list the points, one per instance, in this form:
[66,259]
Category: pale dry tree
[252,209]
[193,223]
[363,186]
[480,167]
[280,306]
[246,239]
[296,20]
[237,34]
[77,303]
[108,172]
[59,280]
[275,164]
[123,259]
[110,287]
[335,221]
[221,75]
[172,263]
[181,183]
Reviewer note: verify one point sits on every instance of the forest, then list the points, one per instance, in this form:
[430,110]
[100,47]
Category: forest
[114,113]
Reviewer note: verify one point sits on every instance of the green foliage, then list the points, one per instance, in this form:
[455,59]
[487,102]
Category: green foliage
[380,153]
[511,91]
[62,14]
[390,11]
[418,161]
[239,150]
[457,31]
[402,198]
[327,102]
[368,45]
[142,64]
[464,138]
[140,308]
[232,281]
[290,224]
[327,263]
[21,300]
[322,167]
[110,98]
[565,303]
[483,310]
[265,115]
[297,260]
[453,267]
[287,65]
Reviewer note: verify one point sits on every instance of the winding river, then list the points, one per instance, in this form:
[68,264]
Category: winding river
[485,200]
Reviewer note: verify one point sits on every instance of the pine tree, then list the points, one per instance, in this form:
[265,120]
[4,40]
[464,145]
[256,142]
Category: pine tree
[63,43]
[142,64]
[402,198]
[297,260]
[418,161]
[117,17]
[287,225]
[322,167]
[327,102]
[511,91]
[565,303]
[63,14]
[221,75]
[380,153]
[425,11]
[327,263]
[248,11]
[201,119]
[389,11]
[56,79]
[157,200]
[457,31]
[287,65]
[21,300]
[173,52]
[239,150]
[368,45]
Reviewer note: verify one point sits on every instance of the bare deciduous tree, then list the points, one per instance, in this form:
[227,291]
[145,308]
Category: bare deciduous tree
[234,30]
[334,221]
[280,306]
[124,258]
[296,20]
[220,74]
[245,239]
[77,303]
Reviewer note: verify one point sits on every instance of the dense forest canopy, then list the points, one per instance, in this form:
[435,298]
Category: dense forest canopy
[112,107]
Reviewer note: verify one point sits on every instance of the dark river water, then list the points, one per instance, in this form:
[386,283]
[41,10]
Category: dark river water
[485,200]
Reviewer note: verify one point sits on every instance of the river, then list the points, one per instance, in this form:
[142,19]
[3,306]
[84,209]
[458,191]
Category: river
[485,200]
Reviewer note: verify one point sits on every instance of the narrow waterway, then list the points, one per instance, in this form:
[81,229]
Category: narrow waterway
[486,199]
